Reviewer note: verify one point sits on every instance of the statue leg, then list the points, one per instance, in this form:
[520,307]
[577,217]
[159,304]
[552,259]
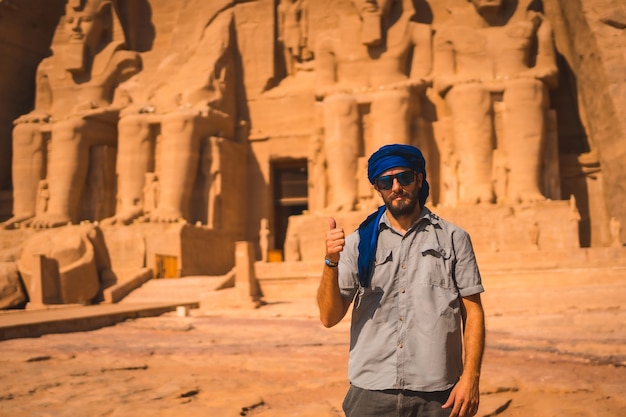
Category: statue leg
[68,165]
[524,125]
[341,149]
[180,148]
[28,168]
[134,159]
[390,120]
[473,141]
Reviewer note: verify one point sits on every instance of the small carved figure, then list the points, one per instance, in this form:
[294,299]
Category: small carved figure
[264,238]
[534,233]
[615,226]
[43,195]
[293,21]
[150,192]
[213,181]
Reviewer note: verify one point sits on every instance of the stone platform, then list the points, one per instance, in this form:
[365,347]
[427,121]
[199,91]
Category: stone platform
[175,249]
[543,226]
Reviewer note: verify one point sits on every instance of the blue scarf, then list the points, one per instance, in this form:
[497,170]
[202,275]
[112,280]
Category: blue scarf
[384,159]
[368,234]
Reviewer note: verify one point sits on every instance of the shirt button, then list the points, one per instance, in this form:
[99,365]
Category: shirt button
[400,346]
[402,290]
[403,266]
[401,318]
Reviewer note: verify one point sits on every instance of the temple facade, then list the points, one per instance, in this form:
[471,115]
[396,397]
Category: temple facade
[149,136]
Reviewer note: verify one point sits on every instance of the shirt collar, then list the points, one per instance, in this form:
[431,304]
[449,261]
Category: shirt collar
[425,216]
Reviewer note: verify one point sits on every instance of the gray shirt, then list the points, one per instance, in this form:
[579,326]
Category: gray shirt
[406,326]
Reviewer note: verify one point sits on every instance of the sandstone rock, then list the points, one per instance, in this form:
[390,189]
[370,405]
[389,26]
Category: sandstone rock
[11,287]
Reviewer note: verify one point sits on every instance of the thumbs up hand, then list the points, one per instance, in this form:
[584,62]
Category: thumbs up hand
[335,240]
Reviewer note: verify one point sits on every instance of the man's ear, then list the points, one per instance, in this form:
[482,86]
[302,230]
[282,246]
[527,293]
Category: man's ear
[420,178]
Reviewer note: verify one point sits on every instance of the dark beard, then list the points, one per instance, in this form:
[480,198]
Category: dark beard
[406,207]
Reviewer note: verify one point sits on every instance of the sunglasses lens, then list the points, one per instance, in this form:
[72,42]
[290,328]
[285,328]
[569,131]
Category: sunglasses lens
[404,178]
[385,183]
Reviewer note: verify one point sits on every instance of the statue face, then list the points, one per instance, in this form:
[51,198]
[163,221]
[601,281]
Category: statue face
[486,4]
[85,25]
[79,25]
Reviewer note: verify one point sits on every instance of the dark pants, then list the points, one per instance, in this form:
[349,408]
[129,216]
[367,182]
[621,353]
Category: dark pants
[395,403]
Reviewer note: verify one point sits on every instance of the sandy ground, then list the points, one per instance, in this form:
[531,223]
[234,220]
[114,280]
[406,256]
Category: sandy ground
[556,346]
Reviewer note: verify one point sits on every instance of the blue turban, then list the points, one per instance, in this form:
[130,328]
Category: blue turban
[392,156]
[384,159]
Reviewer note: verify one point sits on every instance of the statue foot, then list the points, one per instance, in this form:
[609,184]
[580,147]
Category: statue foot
[125,217]
[529,197]
[18,221]
[477,199]
[50,220]
[166,216]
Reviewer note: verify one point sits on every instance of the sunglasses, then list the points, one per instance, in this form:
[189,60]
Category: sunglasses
[404,178]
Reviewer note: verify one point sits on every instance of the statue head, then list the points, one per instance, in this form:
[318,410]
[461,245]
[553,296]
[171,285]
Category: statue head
[374,14]
[89,26]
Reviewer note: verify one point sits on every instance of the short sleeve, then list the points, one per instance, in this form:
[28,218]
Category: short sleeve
[348,270]
[466,273]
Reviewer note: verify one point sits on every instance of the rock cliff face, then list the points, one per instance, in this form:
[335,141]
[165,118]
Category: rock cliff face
[230,114]
[590,37]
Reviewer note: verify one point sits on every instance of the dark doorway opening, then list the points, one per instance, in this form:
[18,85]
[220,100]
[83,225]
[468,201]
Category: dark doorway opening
[290,187]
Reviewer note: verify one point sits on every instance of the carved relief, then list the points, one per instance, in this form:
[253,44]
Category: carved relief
[212,173]
[615,226]
[264,238]
[293,32]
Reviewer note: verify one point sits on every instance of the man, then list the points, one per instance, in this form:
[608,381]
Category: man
[416,289]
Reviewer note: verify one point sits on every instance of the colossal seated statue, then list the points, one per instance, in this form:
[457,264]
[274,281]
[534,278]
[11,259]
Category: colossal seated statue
[188,105]
[492,53]
[74,110]
[352,69]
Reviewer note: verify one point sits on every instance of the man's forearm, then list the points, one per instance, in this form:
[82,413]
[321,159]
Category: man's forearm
[474,337]
[332,305]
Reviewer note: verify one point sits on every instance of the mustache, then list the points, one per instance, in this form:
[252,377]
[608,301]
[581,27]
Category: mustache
[401,193]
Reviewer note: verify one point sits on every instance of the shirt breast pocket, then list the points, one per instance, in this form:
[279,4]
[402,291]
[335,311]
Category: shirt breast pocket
[436,266]
[383,267]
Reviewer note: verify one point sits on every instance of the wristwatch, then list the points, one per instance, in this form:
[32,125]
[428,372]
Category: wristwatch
[330,263]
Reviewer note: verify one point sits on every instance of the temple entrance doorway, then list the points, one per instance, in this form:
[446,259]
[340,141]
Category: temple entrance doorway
[290,188]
